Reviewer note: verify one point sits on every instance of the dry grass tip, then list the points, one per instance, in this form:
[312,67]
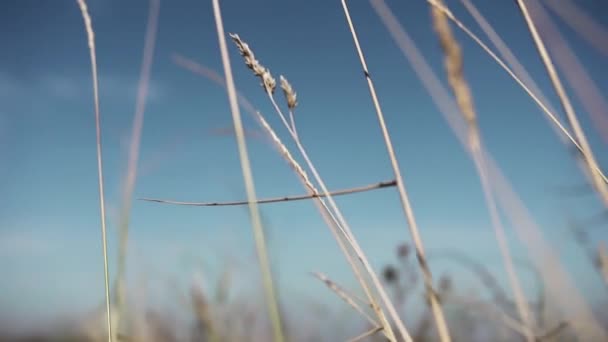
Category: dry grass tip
[290,94]
[268,82]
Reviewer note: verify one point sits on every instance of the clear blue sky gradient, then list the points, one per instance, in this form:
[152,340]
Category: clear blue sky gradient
[50,249]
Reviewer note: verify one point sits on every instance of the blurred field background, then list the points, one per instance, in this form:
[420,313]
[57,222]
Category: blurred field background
[191,273]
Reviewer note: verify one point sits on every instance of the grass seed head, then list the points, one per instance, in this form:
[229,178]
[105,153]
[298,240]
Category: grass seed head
[290,94]
[268,82]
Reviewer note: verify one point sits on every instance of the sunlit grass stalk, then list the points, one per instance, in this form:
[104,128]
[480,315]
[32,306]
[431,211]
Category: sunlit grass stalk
[592,166]
[438,314]
[454,68]
[336,229]
[131,176]
[269,85]
[588,28]
[345,296]
[271,300]
[562,290]
[342,223]
[91,41]
[528,86]
[365,335]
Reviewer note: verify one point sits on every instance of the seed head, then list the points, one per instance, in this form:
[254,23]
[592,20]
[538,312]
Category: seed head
[268,82]
[290,94]
[390,274]
[403,250]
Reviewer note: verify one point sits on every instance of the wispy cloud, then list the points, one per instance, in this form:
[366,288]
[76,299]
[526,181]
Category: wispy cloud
[69,87]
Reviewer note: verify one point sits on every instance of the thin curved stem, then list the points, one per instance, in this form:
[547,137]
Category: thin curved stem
[91,41]
[376,186]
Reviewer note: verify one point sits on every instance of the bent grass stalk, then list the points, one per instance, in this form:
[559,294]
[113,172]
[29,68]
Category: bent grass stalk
[575,73]
[563,292]
[342,192]
[91,42]
[271,300]
[345,296]
[438,314]
[454,68]
[269,85]
[600,185]
[528,85]
[338,231]
[330,219]
[342,223]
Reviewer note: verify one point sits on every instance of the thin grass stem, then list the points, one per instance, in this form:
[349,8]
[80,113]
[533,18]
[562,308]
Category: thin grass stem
[271,300]
[405,201]
[91,41]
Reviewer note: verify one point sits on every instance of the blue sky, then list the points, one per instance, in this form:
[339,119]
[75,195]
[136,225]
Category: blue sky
[50,250]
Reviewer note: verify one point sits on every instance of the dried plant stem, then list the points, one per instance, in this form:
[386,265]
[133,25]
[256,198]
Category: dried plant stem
[349,191]
[337,225]
[293,122]
[536,96]
[585,25]
[460,88]
[600,185]
[332,222]
[91,41]
[365,334]
[345,229]
[562,290]
[138,121]
[345,296]
[271,300]
[442,327]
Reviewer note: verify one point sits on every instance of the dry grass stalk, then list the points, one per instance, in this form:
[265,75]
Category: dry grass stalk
[333,222]
[592,166]
[574,71]
[260,241]
[340,222]
[345,296]
[438,314]
[349,191]
[366,334]
[462,93]
[131,176]
[91,41]
[584,24]
[561,288]
[339,230]
[524,81]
